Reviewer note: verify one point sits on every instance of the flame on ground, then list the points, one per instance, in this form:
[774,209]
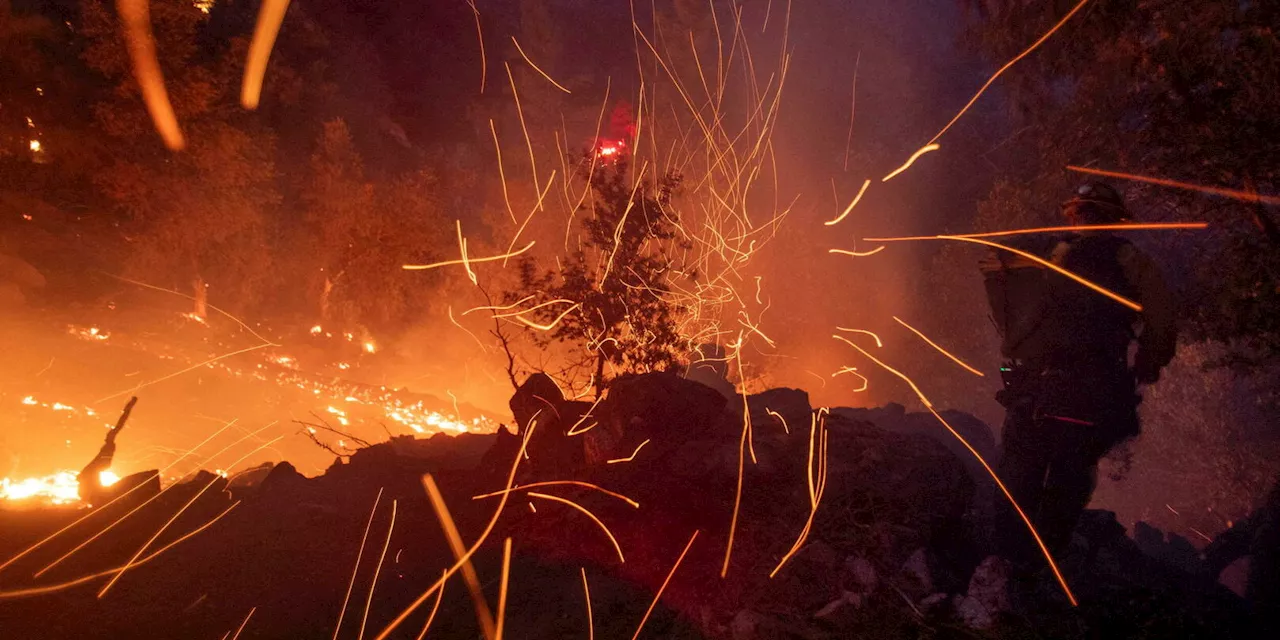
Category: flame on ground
[56,488]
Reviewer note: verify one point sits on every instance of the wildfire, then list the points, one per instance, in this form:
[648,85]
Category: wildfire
[57,488]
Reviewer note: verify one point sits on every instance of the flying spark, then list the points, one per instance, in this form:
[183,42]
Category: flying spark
[940,349]
[630,457]
[1247,196]
[910,161]
[853,204]
[270,17]
[657,596]
[599,523]
[136,18]
[359,555]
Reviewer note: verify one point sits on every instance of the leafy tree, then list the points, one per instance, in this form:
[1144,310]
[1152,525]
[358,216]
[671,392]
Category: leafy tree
[362,231]
[619,280]
[196,218]
[1165,88]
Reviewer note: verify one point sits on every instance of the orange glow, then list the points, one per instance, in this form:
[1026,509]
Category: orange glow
[57,488]
[1247,196]
[359,556]
[82,518]
[910,161]
[940,349]
[658,596]
[630,457]
[1010,63]
[536,68]
[423,267]
[135,16]
[584,510]
[270,17]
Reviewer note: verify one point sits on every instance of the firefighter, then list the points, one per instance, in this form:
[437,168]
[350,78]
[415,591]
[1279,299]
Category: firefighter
[1070,388]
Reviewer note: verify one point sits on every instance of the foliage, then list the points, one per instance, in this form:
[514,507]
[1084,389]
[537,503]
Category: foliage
[196,218]
[364,231]
[1164,88]
[619,278]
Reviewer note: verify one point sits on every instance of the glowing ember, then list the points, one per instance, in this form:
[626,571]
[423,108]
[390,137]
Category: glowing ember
[56,488]
[107,478]
[317,330]
[369,347]
[35,146]
[88,333]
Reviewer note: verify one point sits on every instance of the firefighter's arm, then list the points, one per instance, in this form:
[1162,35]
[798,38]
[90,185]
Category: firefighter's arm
[1159,338]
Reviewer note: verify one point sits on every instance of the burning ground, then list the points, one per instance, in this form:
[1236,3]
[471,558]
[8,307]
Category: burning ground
[638,500]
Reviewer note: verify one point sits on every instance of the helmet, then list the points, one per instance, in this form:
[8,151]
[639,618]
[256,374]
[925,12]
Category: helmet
[1097,203]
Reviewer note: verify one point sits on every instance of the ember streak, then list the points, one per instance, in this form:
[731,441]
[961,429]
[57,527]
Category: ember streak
[260,218]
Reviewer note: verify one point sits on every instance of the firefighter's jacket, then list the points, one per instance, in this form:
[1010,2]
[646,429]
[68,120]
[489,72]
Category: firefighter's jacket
[1049,318]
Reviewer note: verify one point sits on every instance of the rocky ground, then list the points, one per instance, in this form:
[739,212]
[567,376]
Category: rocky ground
[891,552]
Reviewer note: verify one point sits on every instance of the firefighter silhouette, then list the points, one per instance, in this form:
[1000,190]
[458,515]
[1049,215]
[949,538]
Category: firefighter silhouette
[1070,389]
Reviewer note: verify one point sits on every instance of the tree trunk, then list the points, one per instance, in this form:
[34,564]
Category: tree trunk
[324,299]
[599,383]
[201,298]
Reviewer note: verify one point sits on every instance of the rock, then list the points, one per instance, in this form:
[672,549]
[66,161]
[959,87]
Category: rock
[919,579]
[660,407]
[250,478]
[711,369]
[538,396]
[894,419]
[988,595]
[1236,575]
[864,579]
[1172,549]
[148,480]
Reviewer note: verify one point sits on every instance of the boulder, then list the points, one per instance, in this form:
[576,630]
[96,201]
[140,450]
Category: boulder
[539,396]
[988,595]
[662,408]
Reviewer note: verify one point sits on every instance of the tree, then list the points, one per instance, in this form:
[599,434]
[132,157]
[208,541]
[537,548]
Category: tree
[618,281]
[361,231]
[196,218]
[1163,88]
